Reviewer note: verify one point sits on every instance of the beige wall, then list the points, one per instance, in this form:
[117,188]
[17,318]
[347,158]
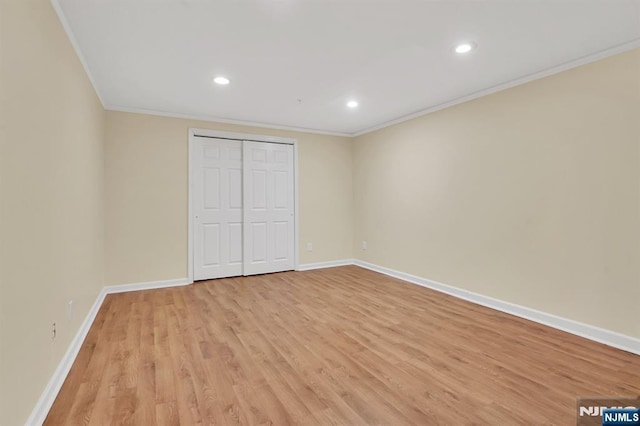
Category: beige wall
[146,195]
[530,195]
[51,190]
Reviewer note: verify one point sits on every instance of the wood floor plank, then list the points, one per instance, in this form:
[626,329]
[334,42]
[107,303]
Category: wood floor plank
[339,346]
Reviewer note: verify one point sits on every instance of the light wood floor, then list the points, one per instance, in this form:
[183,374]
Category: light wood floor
[335,346]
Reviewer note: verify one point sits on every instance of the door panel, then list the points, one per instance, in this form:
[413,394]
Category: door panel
[217,204]
[211,244]
[268,207]
[281,236]
[258,248]
[259,189]
[235,244]
[211,184]
[235,189]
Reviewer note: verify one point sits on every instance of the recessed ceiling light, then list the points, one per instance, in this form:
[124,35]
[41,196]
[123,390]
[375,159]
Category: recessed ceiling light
[223,81]
[352,104]
[464,47]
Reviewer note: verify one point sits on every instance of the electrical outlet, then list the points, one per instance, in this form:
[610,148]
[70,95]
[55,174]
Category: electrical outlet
[364,245]
[309,246]
[70,310]
[53,331]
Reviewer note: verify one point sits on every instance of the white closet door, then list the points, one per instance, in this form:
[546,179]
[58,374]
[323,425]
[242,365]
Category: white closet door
[268,207]
[217,203]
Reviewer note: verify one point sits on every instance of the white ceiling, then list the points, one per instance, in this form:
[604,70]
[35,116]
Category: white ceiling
[394,56]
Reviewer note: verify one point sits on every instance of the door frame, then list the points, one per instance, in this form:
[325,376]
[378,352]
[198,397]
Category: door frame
[193,133]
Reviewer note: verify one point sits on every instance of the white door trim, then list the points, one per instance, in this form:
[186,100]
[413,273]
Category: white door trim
[193,133]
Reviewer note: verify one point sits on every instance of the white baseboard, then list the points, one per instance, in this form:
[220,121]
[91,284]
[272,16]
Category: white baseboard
[149,285]
[40,411]
[610,338]
[321,265]
[50,393]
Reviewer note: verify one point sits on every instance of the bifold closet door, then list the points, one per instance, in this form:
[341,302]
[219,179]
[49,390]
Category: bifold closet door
[269,226]
[217,204]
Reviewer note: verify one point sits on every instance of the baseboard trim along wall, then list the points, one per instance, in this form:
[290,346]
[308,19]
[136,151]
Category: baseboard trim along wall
[40,411]
[50,393]
[149,285]
[321,265]
[607,337]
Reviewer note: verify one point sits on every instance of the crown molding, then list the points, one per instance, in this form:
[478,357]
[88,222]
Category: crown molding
[74,43]
[211,119]
[621,48]
[603,54]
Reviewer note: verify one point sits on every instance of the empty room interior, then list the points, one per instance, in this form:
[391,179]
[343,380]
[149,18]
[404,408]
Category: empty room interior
[319,212]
